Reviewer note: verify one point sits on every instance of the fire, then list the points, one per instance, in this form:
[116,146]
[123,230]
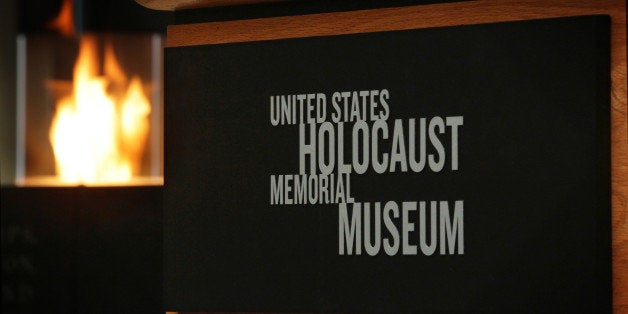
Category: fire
[98,133]
[63,22]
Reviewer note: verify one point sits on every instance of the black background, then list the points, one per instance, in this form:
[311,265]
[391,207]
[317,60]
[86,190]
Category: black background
[534,171]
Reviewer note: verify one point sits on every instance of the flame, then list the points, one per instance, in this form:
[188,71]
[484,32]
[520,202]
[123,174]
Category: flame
[98,137]
[64,22]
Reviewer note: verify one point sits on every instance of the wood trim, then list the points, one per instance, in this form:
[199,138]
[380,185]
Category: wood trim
[435,15]
[472,12]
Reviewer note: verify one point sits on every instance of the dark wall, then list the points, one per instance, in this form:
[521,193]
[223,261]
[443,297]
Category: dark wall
[285,8]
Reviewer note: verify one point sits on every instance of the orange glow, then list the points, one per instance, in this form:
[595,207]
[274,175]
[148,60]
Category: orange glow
[97,135]
[64,22]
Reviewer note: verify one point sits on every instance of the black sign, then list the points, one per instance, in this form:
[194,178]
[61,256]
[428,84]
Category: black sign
[452,169]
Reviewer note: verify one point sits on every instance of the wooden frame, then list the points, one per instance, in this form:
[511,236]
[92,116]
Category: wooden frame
[461,13]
